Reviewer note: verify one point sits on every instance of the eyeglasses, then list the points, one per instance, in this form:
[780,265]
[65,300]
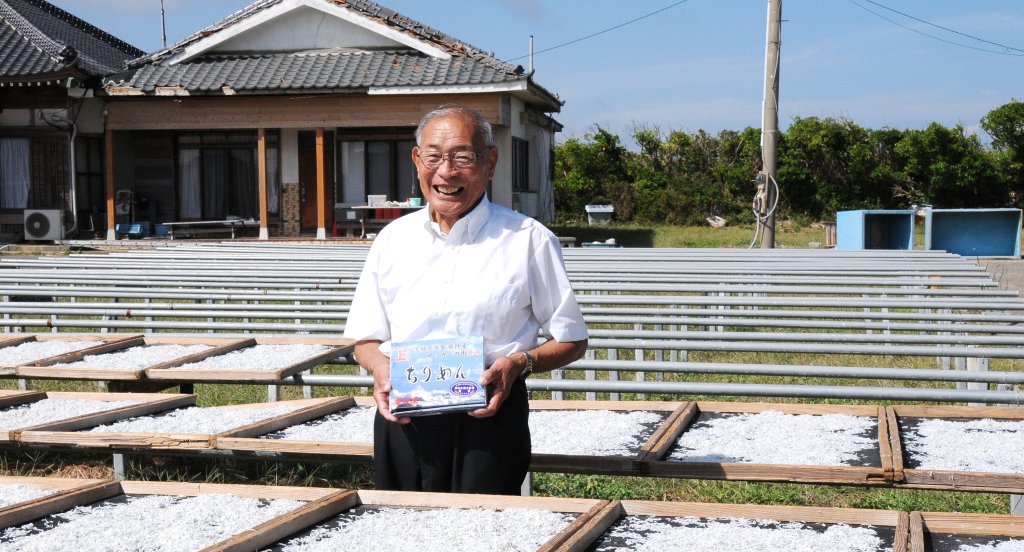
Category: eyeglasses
[458,159]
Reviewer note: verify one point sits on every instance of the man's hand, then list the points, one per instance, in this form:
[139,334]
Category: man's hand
[499,377]
[372,360]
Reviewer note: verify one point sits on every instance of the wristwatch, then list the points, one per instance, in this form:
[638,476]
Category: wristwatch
[529,366]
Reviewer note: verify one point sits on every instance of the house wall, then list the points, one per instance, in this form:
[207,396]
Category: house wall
[145,127]
[305,28]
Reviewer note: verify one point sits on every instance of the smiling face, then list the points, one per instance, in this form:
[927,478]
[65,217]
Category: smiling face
[453,192]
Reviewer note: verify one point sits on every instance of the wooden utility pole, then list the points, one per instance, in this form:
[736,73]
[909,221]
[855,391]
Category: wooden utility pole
[767,192]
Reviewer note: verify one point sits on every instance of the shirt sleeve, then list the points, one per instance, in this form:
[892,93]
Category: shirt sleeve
[367,317]
[552,297]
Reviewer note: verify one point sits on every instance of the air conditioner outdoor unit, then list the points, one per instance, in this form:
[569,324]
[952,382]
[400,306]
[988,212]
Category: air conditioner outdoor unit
[44,224]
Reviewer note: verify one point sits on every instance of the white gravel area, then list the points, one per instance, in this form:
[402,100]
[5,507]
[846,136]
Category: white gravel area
[51,410]
[967,445]
[353,425]
[447,529]
[777,438]
[659,534]
[195,420]
[16,494]
[258,357]
[136,358]
[36,350]
[590,432]
[147,523]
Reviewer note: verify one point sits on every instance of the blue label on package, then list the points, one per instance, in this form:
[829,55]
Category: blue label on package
[437,375]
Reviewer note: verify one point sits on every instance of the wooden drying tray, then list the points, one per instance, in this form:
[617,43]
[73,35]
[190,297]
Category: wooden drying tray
[15,398]
[607,465]
[320,504]
[129,441]
[327,450]
[148,403]
[110,343]
[738,471]
[51,368]
[340,347]
[898,522]
[962,525]
[69,493]
[12,340]
[585,509]
[944,479]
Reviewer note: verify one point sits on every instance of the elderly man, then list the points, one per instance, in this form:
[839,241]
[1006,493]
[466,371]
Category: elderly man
[462,267]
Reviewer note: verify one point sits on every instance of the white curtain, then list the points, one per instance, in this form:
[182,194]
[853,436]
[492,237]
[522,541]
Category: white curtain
[273,180]
[15,176]
[353,172]
[189,196]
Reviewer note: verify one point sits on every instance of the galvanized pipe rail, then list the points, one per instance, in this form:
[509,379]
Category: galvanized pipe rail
[582,288]
[680,389]
[246,311]
[238,277]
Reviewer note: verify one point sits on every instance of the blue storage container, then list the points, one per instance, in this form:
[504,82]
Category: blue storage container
[875,229]
[974,232]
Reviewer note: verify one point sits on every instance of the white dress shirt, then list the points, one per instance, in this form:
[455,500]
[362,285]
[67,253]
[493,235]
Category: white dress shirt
[497,274]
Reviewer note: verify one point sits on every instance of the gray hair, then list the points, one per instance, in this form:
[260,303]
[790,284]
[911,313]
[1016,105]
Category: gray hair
[481,127]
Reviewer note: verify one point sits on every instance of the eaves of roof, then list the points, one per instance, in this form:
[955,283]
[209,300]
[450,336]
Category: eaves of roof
[40,42]
[322,71]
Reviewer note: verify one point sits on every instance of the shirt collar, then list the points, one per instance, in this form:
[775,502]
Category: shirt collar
[468,226]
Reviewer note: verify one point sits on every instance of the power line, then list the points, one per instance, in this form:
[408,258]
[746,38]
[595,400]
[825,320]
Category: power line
[1006,50]
[609,29]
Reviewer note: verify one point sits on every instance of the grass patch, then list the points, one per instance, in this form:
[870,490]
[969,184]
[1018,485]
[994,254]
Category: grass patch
[741,492]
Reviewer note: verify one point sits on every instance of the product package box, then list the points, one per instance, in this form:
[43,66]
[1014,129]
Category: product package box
[437,375]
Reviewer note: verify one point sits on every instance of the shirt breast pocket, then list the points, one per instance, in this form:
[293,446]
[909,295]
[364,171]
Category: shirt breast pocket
[488,312]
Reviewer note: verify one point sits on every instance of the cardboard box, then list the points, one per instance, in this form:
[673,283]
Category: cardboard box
[436,376]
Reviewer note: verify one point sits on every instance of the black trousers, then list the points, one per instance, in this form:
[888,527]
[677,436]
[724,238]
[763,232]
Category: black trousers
[456,452]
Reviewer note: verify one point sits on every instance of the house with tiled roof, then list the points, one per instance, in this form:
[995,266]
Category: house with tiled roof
[287,108]
[51,63]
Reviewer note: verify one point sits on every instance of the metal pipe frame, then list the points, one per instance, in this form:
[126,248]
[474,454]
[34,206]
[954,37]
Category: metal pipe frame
[730,389]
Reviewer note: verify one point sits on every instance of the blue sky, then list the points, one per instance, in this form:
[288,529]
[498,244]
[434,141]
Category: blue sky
[700,64]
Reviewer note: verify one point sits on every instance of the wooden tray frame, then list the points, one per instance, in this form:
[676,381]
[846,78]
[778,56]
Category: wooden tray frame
[335,450]
[149,403]
[111,342]
[70,493]
[10,340]
[340,347]
[309,408]
[606,465]
[586,508]
[46,368]
[899,521]
[962,524]
[321,503]
[737,471]
[945,479]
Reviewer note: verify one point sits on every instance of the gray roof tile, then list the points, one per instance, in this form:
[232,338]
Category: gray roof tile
[331,69]
[37,39]
[324,69]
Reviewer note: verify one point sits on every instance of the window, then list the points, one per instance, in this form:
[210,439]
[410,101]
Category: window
[520,165]
[90,186]
[218,175]
[376,167]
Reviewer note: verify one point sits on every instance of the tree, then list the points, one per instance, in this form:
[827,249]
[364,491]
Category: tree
[946,167]
[583,170]
[1005,124]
